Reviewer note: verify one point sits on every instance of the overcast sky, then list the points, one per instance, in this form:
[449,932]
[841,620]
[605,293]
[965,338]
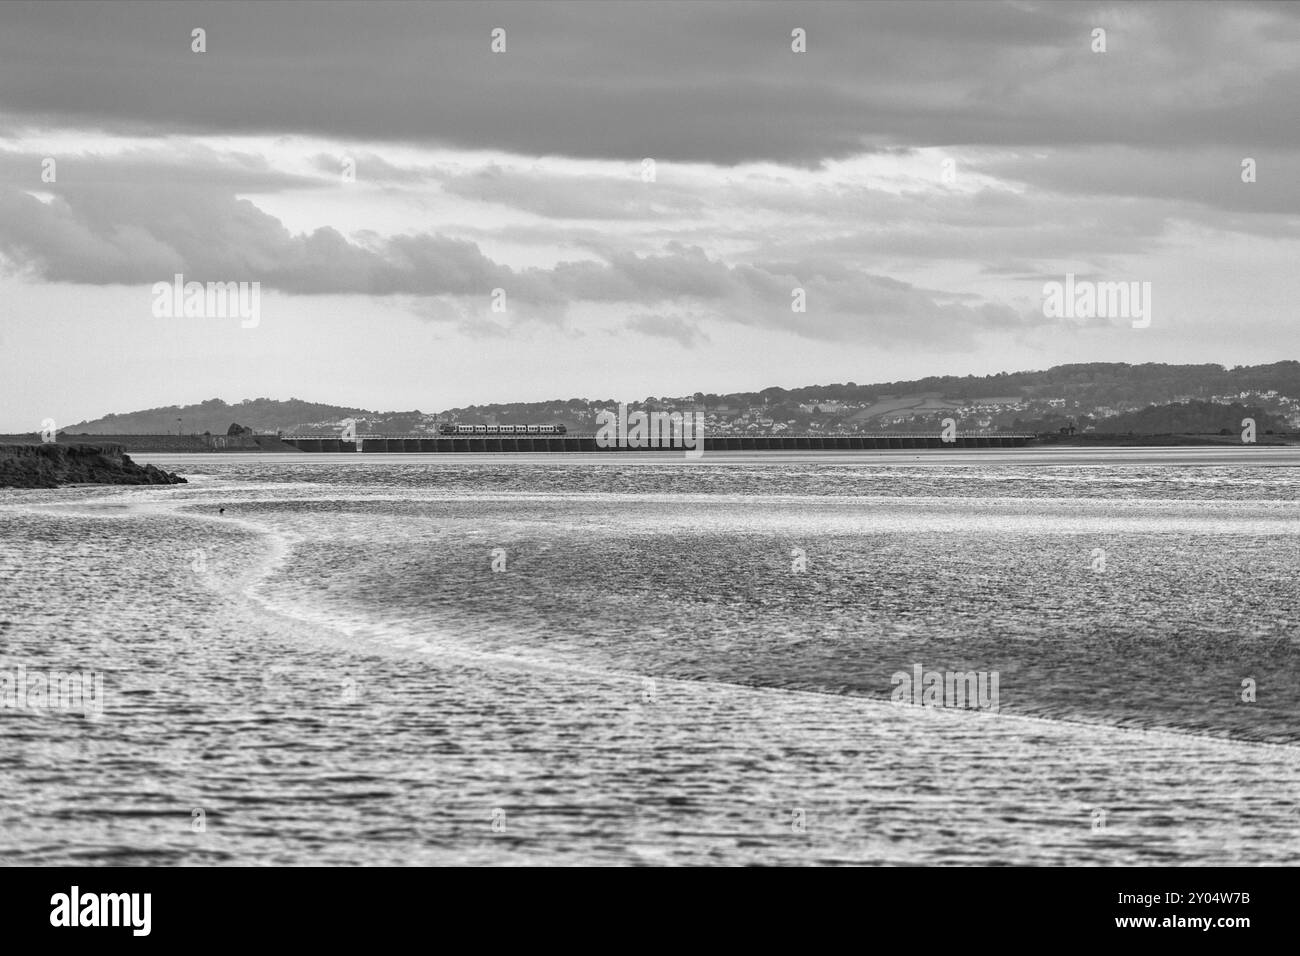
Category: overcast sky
[920,172]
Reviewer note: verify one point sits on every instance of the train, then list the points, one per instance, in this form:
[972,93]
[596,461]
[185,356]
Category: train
[502,429]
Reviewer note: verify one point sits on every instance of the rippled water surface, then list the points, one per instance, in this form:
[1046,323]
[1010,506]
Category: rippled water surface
[672,662]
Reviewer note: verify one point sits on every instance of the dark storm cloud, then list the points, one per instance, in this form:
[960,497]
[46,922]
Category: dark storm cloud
[687,81]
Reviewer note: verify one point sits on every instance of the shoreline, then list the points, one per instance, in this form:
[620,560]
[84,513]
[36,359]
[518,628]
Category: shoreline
[1060,456]
[51,465]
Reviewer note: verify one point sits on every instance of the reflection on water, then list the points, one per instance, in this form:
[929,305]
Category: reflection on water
[333,672]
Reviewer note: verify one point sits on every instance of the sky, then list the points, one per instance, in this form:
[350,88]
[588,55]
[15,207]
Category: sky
[623,201]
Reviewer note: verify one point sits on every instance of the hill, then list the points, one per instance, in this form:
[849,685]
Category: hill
[1098,394]
[215,416]
[1190,418]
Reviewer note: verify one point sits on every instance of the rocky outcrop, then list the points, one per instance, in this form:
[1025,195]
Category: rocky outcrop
[52,465]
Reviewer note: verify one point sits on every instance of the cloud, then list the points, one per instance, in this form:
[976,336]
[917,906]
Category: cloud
[1210,178]
[174,162]
[577,195]
[146,234]
[684,330]
[700,81]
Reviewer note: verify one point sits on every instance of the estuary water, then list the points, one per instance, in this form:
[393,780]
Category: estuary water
[516,659]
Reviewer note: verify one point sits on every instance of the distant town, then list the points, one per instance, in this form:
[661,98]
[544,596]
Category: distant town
[1113,398]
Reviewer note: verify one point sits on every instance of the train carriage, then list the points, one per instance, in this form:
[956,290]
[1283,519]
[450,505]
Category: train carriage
[449,429]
